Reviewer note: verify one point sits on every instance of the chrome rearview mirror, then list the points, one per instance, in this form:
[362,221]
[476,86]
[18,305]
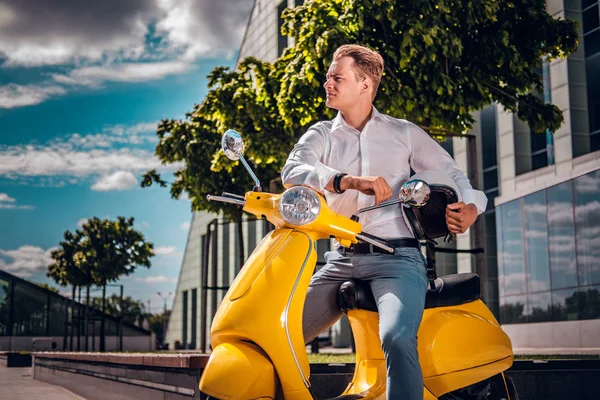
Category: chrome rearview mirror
[232,144]
[415,193]
[233,147]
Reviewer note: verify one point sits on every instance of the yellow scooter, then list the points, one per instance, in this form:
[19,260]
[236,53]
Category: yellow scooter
[257,338]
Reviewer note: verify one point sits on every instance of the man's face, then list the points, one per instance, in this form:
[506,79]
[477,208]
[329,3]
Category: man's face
[343,87]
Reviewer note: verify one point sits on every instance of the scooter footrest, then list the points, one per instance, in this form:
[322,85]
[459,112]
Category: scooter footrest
[348,397]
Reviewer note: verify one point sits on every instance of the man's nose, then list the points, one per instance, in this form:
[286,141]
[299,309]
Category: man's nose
[327,83]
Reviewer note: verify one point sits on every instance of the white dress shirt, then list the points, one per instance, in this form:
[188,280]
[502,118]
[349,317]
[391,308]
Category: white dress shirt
[386,147]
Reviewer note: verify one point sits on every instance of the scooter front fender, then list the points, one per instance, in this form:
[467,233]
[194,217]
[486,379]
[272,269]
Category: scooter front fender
[238,371]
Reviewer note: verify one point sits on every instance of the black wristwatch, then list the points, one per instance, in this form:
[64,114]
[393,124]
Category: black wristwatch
[337,181]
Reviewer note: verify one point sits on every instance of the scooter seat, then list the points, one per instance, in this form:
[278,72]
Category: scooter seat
[450,290]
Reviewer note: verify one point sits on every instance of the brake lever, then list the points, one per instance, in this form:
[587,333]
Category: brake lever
[365,237]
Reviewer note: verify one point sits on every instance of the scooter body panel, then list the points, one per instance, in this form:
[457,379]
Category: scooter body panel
[265,304]
[238,370]
[461,345]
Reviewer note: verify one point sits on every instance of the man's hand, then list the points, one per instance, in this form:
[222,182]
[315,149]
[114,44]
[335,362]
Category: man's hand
[371,185]
[460,216]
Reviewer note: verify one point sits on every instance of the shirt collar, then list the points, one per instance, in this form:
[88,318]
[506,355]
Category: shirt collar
[339,122]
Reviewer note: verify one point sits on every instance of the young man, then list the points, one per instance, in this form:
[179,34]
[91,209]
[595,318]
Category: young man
[359,159]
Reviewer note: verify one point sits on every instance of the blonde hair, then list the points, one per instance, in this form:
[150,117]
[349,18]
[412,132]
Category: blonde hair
[368,63]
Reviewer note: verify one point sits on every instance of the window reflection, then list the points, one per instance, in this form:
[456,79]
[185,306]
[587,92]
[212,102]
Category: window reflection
[536,238]
[561,237]
[500,244]
[4,306]
[512,309]
[29,311]
[512,254]
[589,302]
[587,227]
[565,305]
[539,307]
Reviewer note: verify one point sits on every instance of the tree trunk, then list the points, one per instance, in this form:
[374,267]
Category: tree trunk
[103,321]
[86,346]
[79,321]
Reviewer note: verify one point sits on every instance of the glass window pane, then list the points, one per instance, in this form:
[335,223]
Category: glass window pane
[561,237]
[512,310]
[595,142]
[591,43]
[590,19]
[592,75]
[500,247]
[539,307]
[586,191]
[29,311]
[565,305]
[536,238]
[57,316]
[587,3]
[539,160]
[512,255]
[589,302]
[4,306]
[488,136]
[490,179]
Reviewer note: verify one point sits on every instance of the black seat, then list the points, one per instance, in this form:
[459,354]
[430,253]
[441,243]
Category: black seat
[450,290]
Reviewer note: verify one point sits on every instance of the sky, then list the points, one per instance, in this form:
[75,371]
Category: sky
[83,85]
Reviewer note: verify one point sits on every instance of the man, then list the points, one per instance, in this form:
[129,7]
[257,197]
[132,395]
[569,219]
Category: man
[359,159]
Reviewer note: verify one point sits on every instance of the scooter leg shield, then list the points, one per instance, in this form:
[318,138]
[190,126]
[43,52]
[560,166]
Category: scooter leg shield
[238,371]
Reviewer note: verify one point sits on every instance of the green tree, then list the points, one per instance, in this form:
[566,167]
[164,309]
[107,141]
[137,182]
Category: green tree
[101,252]
[444,60]
[158,325]
[132,311]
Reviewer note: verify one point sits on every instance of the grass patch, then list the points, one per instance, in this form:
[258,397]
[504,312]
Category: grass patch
[328,358]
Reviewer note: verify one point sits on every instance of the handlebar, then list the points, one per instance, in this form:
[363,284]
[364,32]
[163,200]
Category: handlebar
[226,199]
[370,239]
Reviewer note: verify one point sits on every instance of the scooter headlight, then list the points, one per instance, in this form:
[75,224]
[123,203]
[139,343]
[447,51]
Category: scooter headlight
[299,205]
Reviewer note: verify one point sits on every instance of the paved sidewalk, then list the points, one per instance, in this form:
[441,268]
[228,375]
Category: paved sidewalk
[18,384]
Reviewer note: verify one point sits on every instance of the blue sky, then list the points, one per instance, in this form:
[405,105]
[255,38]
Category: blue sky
[81,91]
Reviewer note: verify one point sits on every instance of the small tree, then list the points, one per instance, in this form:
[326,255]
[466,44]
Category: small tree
[111,249]
[132,311]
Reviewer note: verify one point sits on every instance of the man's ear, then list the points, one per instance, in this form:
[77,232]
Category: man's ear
[365,85]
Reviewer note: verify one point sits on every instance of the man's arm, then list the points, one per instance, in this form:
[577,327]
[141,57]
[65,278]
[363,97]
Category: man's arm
[303,167]
[427,154]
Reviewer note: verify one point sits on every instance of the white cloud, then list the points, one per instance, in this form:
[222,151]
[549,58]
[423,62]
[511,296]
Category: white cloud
[153,279]
[113,158]
[185,226]
[12,95]
[165,250]
[26,260]
[6,198]
[81,222]
[8,203]
[125,72]
[113,40]
[120,180]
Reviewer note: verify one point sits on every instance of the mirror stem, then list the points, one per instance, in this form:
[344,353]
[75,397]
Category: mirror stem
[257,187]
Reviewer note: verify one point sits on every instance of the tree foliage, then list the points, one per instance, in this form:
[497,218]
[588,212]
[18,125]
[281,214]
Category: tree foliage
[132,311]
[444,59]
[101,252]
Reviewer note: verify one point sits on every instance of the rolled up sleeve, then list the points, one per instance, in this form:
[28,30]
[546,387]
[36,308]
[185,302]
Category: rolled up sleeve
[427,154]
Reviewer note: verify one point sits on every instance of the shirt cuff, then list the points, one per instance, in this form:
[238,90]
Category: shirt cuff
[477,197]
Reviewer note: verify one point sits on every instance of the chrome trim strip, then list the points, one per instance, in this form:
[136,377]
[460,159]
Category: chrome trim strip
[287,309]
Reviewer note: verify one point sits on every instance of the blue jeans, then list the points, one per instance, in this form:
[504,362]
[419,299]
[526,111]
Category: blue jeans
[399,283]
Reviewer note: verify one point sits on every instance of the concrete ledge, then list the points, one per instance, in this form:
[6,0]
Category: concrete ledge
[176,376]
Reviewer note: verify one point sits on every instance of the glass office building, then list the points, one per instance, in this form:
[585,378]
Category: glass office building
[28,311]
